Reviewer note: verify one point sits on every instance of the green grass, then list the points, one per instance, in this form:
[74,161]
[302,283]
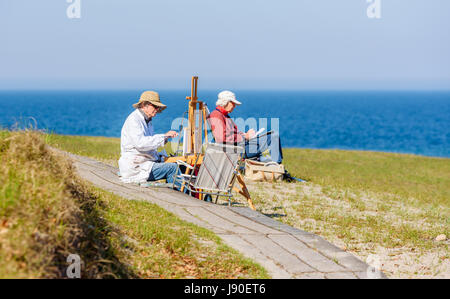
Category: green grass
[102,148]
[47,213]
[106,149]
[424,179]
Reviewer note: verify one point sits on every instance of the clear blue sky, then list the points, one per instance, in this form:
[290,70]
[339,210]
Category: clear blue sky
[242,44]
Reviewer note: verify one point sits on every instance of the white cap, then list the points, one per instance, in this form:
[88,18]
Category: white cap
[227,96]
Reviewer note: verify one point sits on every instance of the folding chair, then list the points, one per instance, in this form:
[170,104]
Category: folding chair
[217,173]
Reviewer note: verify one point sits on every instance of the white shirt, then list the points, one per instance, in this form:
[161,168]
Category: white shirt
[138,148]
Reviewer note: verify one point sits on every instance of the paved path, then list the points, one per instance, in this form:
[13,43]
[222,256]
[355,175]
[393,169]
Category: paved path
[285,252]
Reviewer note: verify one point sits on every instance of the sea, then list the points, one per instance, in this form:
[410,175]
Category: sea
[414,122]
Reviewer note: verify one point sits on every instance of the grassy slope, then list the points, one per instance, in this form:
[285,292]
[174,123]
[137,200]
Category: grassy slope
[359,200]
[46,213]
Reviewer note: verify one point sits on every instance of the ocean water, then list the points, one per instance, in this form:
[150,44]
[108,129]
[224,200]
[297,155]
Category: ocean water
[390,121]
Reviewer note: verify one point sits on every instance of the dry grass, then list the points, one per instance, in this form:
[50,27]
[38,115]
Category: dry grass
[46,214]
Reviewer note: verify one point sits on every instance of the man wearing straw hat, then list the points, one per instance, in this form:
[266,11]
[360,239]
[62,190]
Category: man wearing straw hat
[140,161]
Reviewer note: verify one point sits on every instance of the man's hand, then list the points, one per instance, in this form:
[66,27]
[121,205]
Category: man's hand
[171,134]
[249,134]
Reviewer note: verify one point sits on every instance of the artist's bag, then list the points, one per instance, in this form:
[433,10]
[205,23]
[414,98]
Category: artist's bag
[259,171]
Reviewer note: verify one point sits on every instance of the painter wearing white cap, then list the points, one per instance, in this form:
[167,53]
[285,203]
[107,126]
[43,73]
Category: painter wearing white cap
[225,131]
[225,97]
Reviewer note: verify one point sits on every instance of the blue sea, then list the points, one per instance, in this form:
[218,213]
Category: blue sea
[389,121]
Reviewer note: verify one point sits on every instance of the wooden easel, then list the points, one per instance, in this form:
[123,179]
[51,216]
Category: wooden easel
[196,120]
[197,125]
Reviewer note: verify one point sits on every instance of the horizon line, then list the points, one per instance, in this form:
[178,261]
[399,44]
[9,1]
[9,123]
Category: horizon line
[238,89]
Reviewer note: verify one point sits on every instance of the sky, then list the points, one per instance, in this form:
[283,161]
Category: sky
[235,44]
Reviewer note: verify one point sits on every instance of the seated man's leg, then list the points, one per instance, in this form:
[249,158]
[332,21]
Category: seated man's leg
[163,171]
[276,152]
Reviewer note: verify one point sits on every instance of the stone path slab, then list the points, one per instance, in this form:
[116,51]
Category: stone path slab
[285,252]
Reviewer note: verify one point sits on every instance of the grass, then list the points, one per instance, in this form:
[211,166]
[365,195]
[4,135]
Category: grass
[412,189]
[102,148]
[400,234]
[47,213]
[425,179]
[392,205]
[106,149]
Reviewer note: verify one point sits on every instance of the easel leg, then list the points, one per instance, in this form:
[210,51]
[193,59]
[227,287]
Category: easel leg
[244,191]
[205,124]
[184,183]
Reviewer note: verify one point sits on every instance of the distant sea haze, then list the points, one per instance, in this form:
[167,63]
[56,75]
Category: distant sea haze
[390,121]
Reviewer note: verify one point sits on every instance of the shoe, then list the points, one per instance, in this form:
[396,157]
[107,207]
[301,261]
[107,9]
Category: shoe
[288,178]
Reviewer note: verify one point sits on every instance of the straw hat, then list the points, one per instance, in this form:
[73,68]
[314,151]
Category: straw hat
[151,97]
